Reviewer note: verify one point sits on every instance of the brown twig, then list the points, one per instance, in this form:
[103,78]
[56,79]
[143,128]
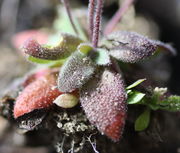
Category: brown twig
[96,27]
[91,17]
[118,16]
[67,7]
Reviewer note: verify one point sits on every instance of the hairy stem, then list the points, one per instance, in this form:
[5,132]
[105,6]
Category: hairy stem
[67,7]
[97,18]
[117,17]
[91,18]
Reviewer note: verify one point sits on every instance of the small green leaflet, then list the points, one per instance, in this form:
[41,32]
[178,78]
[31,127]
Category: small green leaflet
[128,91]
[135,97]
[155,102]
[172,103]
[135,84]
[159,100]
[101,57]
[143,120]
[85,48]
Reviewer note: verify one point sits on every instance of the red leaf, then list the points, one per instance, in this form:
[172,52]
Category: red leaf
[32,77]
[38,94]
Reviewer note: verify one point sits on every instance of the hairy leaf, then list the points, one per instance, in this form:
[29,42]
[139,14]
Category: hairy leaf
[38,94]
[103,100]
[132,47]
[142,121]
[75,72]
[66,46]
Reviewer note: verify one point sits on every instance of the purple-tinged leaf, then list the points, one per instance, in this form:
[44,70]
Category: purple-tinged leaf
[103,99]
[132,47]
[66,46]
[165,47]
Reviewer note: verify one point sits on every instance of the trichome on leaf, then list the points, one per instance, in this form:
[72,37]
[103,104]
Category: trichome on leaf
[103,99]
[88,74]
[132,47]
[68,44]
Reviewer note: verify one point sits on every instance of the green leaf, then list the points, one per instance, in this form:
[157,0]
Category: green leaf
[142,121]
[101,57]
[135,97]
[172,103]
[38,60]
[135,83]
[157,101]
[85,48]
[62,24]
[57,63]
[75,72]
[49,63]
[128,91]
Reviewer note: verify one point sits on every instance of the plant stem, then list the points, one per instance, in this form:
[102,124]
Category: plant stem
[67,7]
[91,17]
[96,28]
[117,17]
[115,65]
